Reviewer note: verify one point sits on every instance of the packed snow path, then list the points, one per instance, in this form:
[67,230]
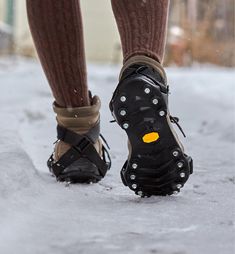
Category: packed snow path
[39,215]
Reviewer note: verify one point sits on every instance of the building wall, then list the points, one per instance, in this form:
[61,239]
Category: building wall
[2,9]
[22,37]
[101,36]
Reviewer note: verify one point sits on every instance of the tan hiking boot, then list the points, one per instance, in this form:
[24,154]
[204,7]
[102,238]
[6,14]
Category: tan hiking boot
[79,154]
[156,164]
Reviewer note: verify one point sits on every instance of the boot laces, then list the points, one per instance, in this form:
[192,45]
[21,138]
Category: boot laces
[105,141]
[106,150]
[175,120]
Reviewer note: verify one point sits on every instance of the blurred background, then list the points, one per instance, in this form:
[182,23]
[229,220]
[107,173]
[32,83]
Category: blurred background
[199,32]
[38,215]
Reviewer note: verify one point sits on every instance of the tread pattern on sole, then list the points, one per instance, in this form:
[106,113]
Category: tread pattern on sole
[159,167]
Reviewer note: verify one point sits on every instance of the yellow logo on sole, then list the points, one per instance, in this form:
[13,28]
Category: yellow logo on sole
[150,137]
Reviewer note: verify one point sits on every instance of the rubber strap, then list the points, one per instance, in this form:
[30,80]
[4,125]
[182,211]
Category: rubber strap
[155,76]
[148,72]
[73,138]
[82,146]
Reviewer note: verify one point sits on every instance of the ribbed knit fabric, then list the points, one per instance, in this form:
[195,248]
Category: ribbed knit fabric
[56,27]
[142,27]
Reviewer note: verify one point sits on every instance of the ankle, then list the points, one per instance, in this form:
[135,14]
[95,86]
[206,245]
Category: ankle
[144,60]
[79,120]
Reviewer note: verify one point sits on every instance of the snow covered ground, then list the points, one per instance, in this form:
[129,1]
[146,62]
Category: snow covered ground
[39,215]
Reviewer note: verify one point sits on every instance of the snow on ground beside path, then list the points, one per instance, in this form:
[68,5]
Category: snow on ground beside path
[39,215]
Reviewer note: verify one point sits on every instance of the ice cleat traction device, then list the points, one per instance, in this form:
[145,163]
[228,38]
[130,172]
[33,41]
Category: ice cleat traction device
[157,164]
[81,163]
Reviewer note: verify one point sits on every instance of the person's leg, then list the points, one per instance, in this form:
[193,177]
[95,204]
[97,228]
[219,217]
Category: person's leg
[157,163]
[56,27]
[142,27]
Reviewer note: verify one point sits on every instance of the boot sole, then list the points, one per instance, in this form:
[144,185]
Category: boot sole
[156,164]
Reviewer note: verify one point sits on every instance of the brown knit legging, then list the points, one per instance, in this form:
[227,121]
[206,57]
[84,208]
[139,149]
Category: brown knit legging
[57,30]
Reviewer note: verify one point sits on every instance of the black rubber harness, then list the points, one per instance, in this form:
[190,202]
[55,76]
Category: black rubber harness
[82,146]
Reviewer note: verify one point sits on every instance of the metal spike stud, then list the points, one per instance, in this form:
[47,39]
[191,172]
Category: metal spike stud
[178,186]
[147,90]
[123,98]
[175,153]
[162,113]
[180,164]
[67,182]
[132,177]
[175,192]
[134,186]
[182,174]
[155,101]
[123,112]
[134,166]
[125,125]
[140,193]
